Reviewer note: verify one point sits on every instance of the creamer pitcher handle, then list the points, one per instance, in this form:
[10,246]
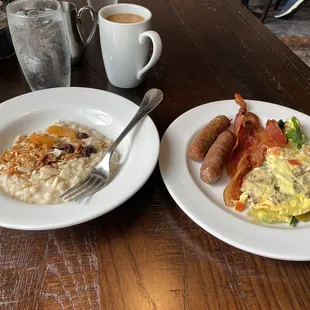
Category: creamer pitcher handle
[94,18]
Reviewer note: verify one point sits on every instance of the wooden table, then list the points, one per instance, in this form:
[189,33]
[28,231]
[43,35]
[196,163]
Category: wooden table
[147,254]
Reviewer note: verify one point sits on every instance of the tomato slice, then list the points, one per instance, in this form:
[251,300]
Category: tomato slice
[240,206]
[294,162]
[275,133]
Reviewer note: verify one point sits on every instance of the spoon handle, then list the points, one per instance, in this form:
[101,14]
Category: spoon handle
[151,100]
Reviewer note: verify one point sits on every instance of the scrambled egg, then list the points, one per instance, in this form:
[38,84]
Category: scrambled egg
[280,188]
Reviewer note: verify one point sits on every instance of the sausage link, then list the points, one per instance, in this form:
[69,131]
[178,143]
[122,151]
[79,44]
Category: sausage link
[206,136]
[217,157]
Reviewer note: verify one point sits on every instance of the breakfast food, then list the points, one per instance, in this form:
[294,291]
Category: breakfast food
[251,143]
[217,157]
[40,167]
[205,138]
[279,190]
[250,150]
[269,167]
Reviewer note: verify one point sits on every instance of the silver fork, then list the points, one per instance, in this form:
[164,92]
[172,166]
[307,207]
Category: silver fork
[101,174]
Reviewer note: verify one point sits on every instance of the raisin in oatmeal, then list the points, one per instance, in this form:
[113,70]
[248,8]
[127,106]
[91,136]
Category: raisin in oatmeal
[40,167]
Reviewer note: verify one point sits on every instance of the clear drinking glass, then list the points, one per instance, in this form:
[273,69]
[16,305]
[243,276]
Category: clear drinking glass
[40,41]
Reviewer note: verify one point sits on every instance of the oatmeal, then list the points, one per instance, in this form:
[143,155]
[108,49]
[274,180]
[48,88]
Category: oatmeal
[40,167]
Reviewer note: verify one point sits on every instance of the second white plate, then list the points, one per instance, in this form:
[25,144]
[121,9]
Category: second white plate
[204,203]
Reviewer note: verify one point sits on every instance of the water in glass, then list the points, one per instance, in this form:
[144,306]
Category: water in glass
[40,41]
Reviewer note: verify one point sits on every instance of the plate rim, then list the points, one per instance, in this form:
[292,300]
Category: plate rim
[182,203]
[147,121]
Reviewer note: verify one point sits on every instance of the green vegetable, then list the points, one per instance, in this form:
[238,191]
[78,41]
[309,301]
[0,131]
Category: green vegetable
[281,124]
[294,221]
[293,132]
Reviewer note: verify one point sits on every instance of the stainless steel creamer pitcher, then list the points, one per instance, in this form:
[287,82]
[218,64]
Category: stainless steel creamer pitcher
[73,20]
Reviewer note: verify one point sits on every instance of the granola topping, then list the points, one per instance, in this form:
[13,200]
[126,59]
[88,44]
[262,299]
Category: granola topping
[41,166]
[31,153]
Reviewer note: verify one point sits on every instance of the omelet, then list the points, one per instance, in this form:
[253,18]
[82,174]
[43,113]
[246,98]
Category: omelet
[279,190]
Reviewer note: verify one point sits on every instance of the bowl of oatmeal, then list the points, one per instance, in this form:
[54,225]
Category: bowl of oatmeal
[51,139]
[40,167]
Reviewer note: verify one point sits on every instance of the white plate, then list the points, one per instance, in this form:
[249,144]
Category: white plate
[204,203]
[106,112]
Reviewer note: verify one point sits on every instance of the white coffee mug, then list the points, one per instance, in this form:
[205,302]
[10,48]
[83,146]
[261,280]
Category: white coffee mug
[125,47]
[96,5]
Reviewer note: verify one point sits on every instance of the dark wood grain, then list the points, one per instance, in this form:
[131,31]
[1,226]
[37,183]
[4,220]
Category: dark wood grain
[147,254]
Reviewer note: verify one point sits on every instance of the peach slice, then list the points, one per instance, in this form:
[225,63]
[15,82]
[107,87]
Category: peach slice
[42,139]
[61,132]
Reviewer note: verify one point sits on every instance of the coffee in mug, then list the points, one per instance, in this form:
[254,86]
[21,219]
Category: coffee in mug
[125,18]
[125,36]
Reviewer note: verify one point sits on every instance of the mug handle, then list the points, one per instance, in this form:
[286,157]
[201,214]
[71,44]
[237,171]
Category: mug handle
[157,47]
[94,18]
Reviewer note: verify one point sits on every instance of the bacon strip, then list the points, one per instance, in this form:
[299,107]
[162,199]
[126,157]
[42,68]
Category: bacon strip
[232,191]
[249,151]
[249,135]
[239,100]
